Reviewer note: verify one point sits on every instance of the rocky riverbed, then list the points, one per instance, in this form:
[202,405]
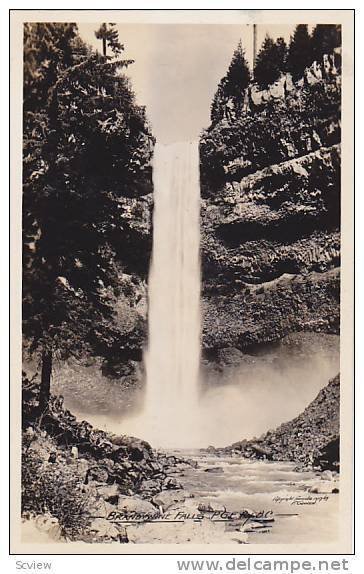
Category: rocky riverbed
[224,499]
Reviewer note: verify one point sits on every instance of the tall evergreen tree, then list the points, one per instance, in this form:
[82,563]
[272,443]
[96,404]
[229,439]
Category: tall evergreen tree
[238,74]
[270,61]
[281,54]
[110,38]
[325,38]
[219,102]
[232,86]
[84,144]
[299,52]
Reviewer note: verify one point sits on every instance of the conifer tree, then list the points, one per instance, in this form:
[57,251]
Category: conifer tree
[299,52]
[238,74]
[85,143]
[281,54]
[325,38]
[219,102]
[110,38]
[270,61]
[232,86]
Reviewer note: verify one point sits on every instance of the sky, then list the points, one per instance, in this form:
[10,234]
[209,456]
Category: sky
[177,68]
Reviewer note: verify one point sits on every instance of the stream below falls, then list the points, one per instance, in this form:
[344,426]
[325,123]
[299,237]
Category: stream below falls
[241,501]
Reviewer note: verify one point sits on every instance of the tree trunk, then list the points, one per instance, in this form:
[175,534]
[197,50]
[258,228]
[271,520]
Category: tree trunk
[104,46]
[45,382]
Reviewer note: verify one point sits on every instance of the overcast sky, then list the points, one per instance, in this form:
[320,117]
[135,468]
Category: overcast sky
[177,68]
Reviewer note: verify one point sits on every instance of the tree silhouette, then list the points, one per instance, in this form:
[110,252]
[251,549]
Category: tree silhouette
[110,38]
[270,61]
[299,52]
[281,54]
[325,38]
[232,86]
[219,102]
[238,74]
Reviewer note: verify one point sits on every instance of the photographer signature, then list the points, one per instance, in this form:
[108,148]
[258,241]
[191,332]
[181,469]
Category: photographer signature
[301,500]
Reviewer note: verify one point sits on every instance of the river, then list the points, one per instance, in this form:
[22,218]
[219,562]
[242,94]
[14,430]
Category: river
[241,501]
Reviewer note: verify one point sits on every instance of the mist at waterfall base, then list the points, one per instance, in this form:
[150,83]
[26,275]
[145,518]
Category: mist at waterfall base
[235,402]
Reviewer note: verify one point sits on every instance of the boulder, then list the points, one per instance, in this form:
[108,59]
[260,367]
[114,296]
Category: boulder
[135,504]
[150,485]
[103,529]
[321,488]
[129,448]
[170,483]
[109,492]
[52,457]
[261,451]
[214,469]
[41,529]
[74,452]
[102,509]
[155,467]
[169,498]
[136,453]
[215,507]
[49,524]
[329,457]
[97,473]
[119,454]
[41,447]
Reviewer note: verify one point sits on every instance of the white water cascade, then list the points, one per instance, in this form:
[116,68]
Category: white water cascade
[173,354]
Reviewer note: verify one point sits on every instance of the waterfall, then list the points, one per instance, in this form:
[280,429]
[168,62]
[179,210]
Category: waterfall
[173,354]
[170,413]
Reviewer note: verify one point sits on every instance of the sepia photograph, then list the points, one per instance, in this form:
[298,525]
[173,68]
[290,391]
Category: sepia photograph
[182,235]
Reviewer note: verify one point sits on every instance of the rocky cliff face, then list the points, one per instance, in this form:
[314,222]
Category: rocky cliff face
[270,217]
